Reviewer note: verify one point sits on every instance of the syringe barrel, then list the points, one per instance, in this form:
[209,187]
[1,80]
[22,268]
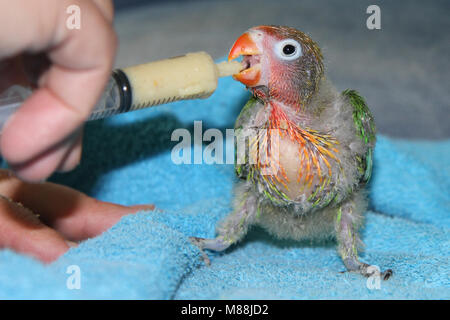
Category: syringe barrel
[190,76]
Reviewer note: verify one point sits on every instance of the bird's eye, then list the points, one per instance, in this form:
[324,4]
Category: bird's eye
[288,49]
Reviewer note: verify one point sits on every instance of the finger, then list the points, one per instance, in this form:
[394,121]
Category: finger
[81,64]
[75,215]
[47,162]
[21,231]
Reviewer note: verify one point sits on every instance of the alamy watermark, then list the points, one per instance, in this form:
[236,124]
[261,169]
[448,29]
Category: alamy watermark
[373,22]
[374,280]
[73,21]
[252,146]
[73,281]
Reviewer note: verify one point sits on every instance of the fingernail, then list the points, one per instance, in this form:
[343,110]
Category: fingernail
[143,207]
[72,244]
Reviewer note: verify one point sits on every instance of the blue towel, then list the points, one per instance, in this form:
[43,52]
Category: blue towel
[127,160]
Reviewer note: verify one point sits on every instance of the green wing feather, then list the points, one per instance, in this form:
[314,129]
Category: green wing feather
[242,170]
[365,129]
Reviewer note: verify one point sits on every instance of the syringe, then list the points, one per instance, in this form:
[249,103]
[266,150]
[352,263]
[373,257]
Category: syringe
[192,76]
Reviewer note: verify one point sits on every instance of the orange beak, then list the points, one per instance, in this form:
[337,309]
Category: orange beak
[245,46]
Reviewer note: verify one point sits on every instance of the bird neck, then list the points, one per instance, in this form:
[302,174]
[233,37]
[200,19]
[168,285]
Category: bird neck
[297,104]
[291,105]
[284,116]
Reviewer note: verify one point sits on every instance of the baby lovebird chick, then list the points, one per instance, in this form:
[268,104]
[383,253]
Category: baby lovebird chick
[309,151]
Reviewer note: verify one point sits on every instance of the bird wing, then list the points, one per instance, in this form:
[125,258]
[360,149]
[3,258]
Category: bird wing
[365,130]
[242,121]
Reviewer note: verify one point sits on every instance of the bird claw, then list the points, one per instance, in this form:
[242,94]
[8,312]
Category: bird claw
[198,242]
[386,274]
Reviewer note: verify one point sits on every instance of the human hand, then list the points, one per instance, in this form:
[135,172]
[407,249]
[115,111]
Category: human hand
[44,135]
[65,216]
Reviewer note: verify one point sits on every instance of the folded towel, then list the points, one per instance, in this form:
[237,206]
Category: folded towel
[127,160]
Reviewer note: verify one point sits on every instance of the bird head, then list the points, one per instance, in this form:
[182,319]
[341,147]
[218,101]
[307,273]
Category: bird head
[281,61]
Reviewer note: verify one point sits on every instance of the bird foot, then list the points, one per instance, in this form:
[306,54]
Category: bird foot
[367,270]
